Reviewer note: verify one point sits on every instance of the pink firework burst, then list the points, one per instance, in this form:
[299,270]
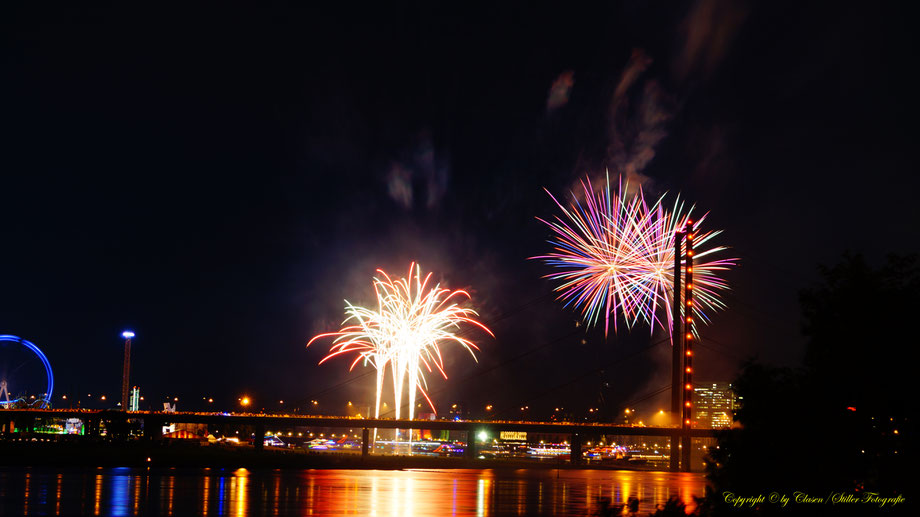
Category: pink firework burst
[614,255]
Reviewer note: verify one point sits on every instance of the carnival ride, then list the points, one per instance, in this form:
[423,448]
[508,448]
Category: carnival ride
[22,365]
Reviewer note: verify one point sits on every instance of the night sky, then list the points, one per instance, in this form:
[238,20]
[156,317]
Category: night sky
[220,180]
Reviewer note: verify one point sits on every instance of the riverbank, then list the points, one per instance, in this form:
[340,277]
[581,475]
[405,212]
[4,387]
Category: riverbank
[141,454]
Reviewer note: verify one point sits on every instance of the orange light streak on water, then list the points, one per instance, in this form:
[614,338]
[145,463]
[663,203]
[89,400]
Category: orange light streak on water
[205,495]
[97,494]
[57,494]
[170,495]
[27,494]
[239,494]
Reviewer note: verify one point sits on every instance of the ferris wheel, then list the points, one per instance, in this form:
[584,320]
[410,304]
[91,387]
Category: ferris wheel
[20,371]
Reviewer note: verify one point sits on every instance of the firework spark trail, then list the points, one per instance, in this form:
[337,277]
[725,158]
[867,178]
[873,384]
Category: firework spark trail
[615,255]
[404,333]
[594,253]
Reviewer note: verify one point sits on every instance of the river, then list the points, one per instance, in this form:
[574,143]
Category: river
[241,492]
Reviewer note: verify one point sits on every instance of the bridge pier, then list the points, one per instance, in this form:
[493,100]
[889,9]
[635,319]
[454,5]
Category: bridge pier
[365,442]
[685,450]
[258,439]
[575,449]
[470,451]
[29,424]
[153,428]
[675,453]
[118,427]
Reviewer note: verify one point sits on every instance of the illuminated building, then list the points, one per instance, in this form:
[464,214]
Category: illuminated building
[715,405]
[135,399]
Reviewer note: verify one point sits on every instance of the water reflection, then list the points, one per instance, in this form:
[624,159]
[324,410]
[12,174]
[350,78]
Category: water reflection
[28,493]
[138,481]
[237,493]
[57,494]
[205,493]
[239,487]
[221,494]
[118,491]
[481,498]
[97,494]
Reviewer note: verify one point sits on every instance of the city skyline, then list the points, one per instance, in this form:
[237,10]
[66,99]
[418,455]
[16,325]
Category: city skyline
[221,196]
[422,258]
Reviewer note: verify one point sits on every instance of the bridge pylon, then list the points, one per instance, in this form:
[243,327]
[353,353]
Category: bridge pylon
[682,336]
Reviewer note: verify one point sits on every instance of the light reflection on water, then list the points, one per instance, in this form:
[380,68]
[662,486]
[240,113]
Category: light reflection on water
[120,482]
[239,493]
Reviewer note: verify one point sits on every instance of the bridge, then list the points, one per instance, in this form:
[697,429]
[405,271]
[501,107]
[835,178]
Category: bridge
[153,422]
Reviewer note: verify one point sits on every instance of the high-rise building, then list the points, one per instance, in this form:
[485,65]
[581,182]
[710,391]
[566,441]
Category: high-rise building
[715,405]
[135,399]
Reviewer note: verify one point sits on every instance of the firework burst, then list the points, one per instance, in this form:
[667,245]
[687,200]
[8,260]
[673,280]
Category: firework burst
[404,333]
[614,254]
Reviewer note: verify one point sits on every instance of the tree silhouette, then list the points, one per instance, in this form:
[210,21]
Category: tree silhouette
[844,421]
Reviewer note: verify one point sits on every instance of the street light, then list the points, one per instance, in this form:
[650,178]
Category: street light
[126,372]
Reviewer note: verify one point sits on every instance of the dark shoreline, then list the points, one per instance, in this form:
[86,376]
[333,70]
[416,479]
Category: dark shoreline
[146,454]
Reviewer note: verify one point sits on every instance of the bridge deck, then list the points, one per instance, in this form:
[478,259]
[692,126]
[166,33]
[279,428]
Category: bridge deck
[587,428]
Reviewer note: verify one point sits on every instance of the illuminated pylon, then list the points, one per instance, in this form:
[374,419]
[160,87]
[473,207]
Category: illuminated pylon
[682,347]
[126,371]
[687,408]
[676,348]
